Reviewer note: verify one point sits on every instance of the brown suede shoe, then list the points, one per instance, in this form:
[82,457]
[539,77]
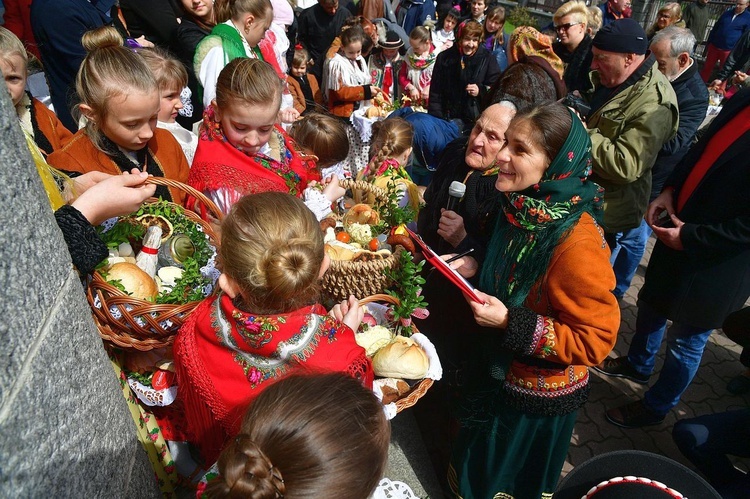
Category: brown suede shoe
[634,415]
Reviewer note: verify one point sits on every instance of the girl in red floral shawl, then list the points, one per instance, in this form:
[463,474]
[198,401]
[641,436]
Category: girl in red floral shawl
[241,150]
[265,324]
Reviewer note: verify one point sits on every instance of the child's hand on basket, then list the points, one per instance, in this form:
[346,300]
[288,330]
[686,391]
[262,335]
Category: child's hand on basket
[331,188]
[349,312]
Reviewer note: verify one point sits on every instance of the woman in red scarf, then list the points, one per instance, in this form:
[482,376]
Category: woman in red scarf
[241,149]
[266,324]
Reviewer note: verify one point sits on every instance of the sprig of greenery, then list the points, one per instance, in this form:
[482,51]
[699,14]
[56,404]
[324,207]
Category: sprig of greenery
[391,214]
[144,379]
[188,288]
[408,282]
[124,231]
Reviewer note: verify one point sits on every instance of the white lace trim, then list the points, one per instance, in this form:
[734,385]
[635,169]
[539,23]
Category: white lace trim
[388,489]
[152,397]
[317,202]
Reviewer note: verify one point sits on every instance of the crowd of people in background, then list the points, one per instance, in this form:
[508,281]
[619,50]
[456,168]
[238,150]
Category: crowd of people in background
[576,143]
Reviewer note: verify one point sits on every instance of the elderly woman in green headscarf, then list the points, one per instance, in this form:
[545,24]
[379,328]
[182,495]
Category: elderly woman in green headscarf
[548,312]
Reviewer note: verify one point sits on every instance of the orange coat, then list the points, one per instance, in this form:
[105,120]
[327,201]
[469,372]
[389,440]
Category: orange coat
[299,97]
[81,155]
[50,125]
[576,323]
[341,101]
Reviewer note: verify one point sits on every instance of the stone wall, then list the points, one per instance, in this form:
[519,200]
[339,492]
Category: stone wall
[65,430]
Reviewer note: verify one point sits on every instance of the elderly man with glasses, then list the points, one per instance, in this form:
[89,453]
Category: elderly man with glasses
[573,44]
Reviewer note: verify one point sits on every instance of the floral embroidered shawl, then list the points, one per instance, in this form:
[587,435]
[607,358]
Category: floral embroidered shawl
[537,217]
[219,165]
[225,357]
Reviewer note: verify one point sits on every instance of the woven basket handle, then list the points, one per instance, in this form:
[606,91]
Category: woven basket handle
[361,185]
[379,298]
[215,211]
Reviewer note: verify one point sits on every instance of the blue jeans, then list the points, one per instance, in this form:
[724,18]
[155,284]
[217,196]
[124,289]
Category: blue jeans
[626,255]
[685,346]
[707,440]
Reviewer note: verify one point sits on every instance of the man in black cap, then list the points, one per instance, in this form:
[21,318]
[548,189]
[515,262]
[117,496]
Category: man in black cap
[385,62]
[633,113]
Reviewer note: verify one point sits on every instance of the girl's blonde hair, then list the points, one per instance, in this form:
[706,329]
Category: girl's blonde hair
[250,81]
[225,10]
[390,138]
[272,247]
[673,9]
[10,45]
[322,135]
[170,73]
[420,34]
[496,13]
[109,70]
[301,56]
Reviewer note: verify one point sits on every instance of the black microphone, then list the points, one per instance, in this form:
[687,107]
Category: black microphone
[456,192]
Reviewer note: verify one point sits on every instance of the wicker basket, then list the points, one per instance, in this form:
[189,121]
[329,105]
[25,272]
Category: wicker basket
[140,324]
[417,391]
[346,278]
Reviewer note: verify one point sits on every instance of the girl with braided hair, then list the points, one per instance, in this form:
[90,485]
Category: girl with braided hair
[392,145]
[295,444]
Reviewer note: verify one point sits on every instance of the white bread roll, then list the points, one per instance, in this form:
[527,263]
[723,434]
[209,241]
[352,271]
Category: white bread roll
[136,282]
[373,339]
[402,358]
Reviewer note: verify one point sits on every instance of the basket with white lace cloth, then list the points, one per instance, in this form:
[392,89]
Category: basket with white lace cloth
[378,307]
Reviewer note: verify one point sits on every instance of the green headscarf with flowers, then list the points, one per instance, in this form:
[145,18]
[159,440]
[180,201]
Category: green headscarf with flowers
[538,217]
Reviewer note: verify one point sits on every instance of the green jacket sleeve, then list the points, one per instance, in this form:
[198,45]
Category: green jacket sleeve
[623,148]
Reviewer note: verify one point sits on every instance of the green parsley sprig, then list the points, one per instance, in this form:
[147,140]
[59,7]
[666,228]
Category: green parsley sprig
[408,282]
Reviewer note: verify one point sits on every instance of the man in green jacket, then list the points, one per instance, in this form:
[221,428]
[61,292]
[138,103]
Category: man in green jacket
[633,113]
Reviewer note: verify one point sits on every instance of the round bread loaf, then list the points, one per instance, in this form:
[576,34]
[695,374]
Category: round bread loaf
[402,358]
[136,282]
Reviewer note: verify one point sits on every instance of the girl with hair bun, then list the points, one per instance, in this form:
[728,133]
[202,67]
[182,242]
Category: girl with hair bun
[272,458]
[120,102]
[266,323]
[241,150]
[392,145]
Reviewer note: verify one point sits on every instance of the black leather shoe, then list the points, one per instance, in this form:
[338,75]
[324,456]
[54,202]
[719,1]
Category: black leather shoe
[634,415]
[619,367]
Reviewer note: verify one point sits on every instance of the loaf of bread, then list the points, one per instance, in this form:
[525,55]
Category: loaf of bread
[392,389]
[136,282]
[341,251]
[402,358]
